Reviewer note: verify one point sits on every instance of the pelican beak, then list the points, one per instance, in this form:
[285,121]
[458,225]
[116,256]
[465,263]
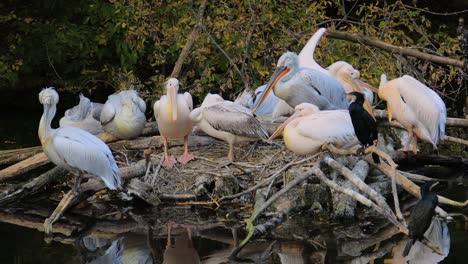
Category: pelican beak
[282,126]
[356,85]
[368,86]
[173,98]
[279,72]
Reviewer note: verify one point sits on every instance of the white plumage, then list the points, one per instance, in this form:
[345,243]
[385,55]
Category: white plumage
[309,128]
[123,115]
[418,108]
[172,115]
[86,115]
[74,149]
[227,121]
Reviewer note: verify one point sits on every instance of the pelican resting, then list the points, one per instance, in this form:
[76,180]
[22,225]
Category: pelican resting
[172,115]
[309,128]
[74,149]
[416,107]
[85,115]
[123,115]
[227,121]
[364,125]
[298,85]
[421,216]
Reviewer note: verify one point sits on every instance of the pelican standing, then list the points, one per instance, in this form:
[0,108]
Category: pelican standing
[74,149]
[298,85]
[172,115]
[309,128]
[416,107]
[85,115]
[227,121]
[123,115]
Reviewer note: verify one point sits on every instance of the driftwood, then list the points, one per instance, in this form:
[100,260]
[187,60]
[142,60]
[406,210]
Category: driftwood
[343,205]
[395,49]
[144,191]
[8,157]
[41,159]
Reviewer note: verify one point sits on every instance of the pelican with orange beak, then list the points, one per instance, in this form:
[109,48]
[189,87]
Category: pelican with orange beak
[309,128]
[297,85]
[172,115]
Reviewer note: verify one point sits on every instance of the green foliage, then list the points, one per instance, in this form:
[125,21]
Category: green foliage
[120,42]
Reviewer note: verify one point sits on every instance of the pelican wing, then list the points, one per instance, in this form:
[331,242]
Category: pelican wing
[329,90]
[188,99]
[88,154]
[111,107]
[96,109]
[306,56]
[234,118]
[333,126]
[426,104]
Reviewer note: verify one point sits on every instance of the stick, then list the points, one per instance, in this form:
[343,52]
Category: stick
[395,49]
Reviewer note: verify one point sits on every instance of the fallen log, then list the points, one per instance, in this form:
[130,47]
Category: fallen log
[395,49]
[8,157]
[451,121]
[41,159]
[88,189]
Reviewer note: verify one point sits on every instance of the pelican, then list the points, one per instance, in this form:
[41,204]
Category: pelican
[416,107]
[298,85]
[227,121]
[123,115]
[272,104]
[364,125]
[342,71]
[172,114]
[74,149]
[85,115]
[309,128]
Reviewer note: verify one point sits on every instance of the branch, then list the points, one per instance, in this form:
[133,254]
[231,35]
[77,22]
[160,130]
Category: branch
[190,40]
[395,49]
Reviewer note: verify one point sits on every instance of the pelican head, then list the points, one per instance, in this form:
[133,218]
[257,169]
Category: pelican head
[356,97]
[48,96]
[300,110]
[172,87]
[211,99]
[289,61]
[344,70]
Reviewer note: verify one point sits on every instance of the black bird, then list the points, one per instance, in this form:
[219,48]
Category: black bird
[364,124]
[421,216]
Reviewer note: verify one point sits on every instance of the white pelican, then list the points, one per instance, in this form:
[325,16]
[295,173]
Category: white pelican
[416,107]
[74,149]
[342,71]
[172,114]
[123,115]
[272,104]
[85,115]
[309,128]
[227,121]
[298,85]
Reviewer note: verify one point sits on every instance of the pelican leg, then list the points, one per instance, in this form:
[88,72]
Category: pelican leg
[189,234]
[76,186]
[169,239]
[408,141]
[415,144]
[231,152]
[186,157]
[169,161]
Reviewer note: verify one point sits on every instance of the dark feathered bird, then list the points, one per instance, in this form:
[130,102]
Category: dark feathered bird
[421,216]
[364,125]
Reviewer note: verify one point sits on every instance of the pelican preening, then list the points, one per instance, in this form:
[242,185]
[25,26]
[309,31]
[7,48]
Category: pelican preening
[172,115]
[227,121]
[123,115]
[421,216]
[298,85]
[309,128]
[74,149]
[364,124]
[85,115]
[416,107]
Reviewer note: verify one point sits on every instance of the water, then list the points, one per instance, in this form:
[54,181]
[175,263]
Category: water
[302,239]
